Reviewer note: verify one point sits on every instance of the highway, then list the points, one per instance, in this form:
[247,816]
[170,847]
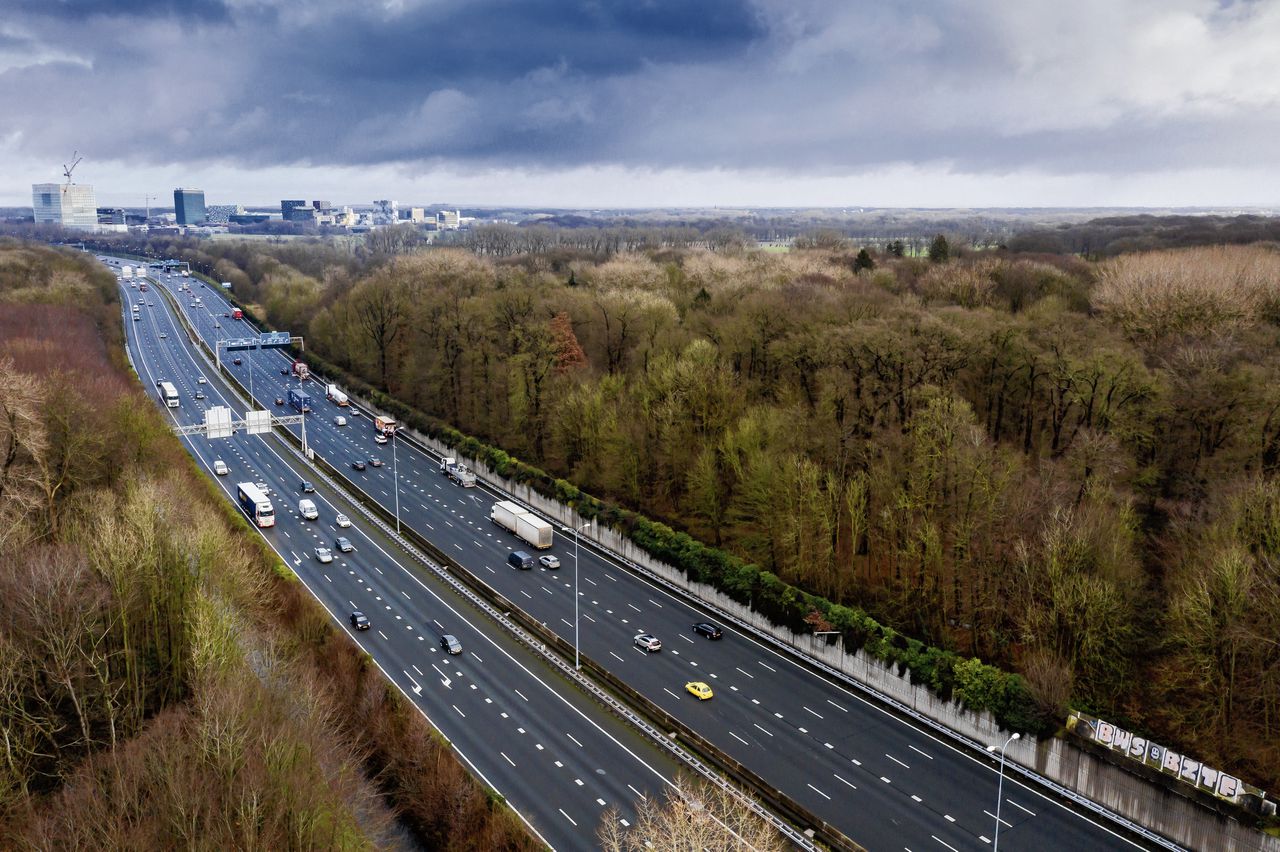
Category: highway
[885,782]
[555,754]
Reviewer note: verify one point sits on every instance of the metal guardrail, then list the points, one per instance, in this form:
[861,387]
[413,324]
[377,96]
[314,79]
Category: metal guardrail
[555,651]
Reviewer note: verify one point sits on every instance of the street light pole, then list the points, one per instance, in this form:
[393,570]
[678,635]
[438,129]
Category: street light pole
[395,478]
[577,531]
[995,846]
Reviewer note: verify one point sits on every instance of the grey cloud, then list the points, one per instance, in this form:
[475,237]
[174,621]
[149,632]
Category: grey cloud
[801,86]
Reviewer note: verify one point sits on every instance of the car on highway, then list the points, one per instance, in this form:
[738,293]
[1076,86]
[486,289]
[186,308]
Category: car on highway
[323,554]
[137,318]
[279,400]
[199,394]
[358,621]
[698,690]
[339,420]
[648,642]
[227,315]
[358,464]
[202,381]
[236,361]
[264,488]
[342,521]
[164,336]
[307,487]
[344,544]
[549,562]
[217,325]
[450,643]
[379,438]
[707,629]
[220,468]
[376,462]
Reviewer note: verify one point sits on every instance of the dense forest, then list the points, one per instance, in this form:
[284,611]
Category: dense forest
[1112,235]
[1062,467]
[164,682]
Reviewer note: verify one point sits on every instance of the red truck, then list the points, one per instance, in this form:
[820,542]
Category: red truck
[236,313]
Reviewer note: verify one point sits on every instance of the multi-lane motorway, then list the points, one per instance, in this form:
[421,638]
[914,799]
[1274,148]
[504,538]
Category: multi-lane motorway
[884,782]
[553,753]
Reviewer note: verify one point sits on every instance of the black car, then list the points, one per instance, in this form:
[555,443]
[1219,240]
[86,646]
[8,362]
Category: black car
[707,629]
[236,361]
[358,621]
[279,400]
[358,464]
[307,487]
[284,372]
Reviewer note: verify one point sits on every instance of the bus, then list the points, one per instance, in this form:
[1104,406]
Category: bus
[169,394]
[256,505]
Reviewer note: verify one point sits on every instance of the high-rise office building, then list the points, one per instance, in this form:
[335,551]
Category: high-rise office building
[188,205]
[386,212]
[69,205]
[296,209]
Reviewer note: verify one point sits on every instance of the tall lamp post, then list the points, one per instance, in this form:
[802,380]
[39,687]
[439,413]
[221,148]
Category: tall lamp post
[995,846]
[395,478]
[577,531]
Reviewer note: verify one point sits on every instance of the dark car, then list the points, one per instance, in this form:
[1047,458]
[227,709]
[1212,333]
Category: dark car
[358,464]
[358,621]
[375,462]
[227,315]
[707,629]
[520,559]
[307,487]
[284,372]
[236,361]
[279,400]
[344,544]
[451,644]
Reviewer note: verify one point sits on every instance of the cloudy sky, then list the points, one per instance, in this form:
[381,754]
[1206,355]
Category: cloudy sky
[612,103]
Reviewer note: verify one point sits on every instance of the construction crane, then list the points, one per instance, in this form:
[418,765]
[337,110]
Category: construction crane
[67,170]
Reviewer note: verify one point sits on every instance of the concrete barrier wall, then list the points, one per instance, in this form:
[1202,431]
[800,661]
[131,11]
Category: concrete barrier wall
[1173,816]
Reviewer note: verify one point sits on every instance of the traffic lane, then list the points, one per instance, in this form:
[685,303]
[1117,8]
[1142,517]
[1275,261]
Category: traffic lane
[282,480]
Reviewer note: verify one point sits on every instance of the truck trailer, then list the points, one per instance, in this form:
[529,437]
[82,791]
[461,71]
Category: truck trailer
[299,400]
[527,526]
[385,425]
[335,396]
[458,472]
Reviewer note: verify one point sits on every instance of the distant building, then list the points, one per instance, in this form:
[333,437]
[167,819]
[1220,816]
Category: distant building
[111,216]
[386,212]
[414,214]
[248,218]
[291,207]
[69,205]
[322,206]
[450,220]
[220,214]
[188,206]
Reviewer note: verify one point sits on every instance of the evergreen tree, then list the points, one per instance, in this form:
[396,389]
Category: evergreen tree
[939,250]
[863,261]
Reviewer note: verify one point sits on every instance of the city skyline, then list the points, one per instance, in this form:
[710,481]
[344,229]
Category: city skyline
[751,103]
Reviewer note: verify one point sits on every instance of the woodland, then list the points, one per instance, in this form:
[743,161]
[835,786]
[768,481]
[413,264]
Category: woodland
[1065,468]
[165,682]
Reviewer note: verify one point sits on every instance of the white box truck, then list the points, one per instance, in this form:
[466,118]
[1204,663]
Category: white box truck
[126,272]
[336,396]
[516,519]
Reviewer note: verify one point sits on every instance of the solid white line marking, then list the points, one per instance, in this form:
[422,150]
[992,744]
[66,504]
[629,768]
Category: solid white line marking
[633,606]
[761,729]
[507,759]
[819,715]
[837,706]
[944,843]
[566,816]
[738,738]
[767,666]
[672,694]
[1019,807]
[575,742]
[819,792]
[851,784]
[460,713]
[895,760]
[753,677]
[918,751]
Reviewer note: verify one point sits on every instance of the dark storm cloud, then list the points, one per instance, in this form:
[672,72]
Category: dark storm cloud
[798,85]
[81,9]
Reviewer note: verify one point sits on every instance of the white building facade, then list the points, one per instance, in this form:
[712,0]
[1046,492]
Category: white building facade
[69,205]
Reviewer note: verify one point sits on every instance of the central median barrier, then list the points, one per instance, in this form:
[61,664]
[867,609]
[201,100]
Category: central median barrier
[662,723]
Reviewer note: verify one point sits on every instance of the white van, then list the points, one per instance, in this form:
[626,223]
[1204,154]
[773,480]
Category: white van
[339,420]
[308,510]
[220,468]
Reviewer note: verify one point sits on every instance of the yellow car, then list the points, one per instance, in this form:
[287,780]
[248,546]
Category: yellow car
[698,689]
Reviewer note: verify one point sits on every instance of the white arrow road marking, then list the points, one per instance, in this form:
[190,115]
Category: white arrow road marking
[417,688]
